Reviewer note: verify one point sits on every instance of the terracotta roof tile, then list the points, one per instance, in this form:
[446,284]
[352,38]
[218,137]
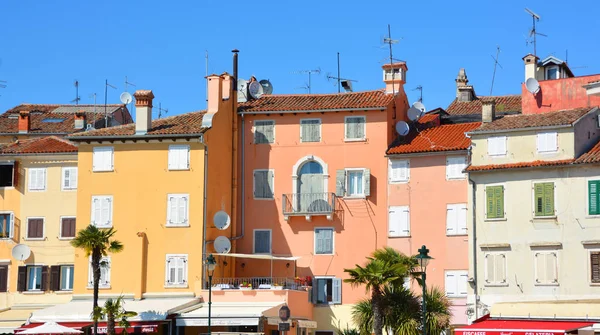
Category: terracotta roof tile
[305,102]
[39,145]
[522,165]
[183,124]
[448,137]
[592,156]
[522,121]
[504,104]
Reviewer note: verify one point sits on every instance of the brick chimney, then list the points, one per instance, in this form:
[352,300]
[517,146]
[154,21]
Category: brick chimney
[488,110]
[143,111]
[24,122]
[464,92]
[79,120]
[531,68]
[394,76]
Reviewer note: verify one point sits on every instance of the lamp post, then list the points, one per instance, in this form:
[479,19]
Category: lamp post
[423,258]
[211,264]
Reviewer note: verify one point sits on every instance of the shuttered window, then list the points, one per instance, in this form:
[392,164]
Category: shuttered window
[35,228]
[102,208]
[264,131]
[176,269]
[358,182]
[456,219]
[37,179]
[494,202]
[543,199]
[594,197]
[105,265]
[497,146]
[547,142]
[324,241]
[262,241]
[179,157]
[399,221]
[37,278]
[263,184]
[103,159]
[595,266]
[455,167]
[355,128]
[177,209]
[69,178]
[6,225]
[326,291]
[64,274]
[455,283]
[3,278]
[310,130]
[67,227]
[546,268]
[495,269]
[399,170]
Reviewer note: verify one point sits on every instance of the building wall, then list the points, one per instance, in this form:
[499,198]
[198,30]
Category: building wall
[427,193]
[559,94]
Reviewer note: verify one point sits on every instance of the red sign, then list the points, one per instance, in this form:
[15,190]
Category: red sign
[507,332]
[132,329]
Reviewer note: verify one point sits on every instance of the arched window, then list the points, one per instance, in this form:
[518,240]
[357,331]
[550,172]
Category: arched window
[311,167]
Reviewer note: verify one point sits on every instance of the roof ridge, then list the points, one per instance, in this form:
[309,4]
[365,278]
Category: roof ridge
[321,94]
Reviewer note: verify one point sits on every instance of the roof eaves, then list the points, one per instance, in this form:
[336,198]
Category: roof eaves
[476,132]
[242,110]
[133,137]
[62,153]
[426,153]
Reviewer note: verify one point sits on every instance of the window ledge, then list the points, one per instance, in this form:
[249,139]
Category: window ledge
[65,238]
[399,181]
[33,292]
[357,197]
[42,190]
[182,169]
[457,235]
[102,226]
[103,170]
[455,178]
[591,243]
[100,287]
[456,296]
[69,189]
[592,216]
[544,218]
[494,219]
[170,225]
[64,292]
[551,285]
[316,254]
[356,140]
[34,238]
[594,284]
[262,199]
[176,286]
[404,236]
[496,285]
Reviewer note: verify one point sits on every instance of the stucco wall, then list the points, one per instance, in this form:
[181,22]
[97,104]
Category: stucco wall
[559,94]
[587,133]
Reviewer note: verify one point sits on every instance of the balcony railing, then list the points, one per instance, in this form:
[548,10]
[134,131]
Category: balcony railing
[256,283]
[308,204]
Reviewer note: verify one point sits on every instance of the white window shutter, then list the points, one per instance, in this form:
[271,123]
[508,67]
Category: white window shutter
[73,177]
[66,178]
[451,220]
[553,141]
[540,268]
[489,269]
[11,227]
[404,221]
[173,210]
[500,268]
[172,158]
[450,284]
[551,268]
[96,211]
[182,210]
[463,279]
[461,226]
[106,207]
[394,222]
[336,291]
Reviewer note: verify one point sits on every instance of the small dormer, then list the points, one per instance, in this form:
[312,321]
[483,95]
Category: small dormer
[554,68]
[394,76]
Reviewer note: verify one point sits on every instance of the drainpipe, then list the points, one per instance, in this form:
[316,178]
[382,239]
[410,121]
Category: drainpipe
[474,236]
[242,146]
[205,219]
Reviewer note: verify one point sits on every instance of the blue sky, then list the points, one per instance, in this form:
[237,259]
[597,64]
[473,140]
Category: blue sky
[160,45]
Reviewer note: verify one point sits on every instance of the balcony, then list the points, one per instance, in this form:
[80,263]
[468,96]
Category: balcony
[308,205]
[257,283]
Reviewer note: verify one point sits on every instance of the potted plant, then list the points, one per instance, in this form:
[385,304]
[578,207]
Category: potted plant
[276,286]
[245,286]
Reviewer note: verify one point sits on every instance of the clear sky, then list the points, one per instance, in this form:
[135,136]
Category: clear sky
[161,45]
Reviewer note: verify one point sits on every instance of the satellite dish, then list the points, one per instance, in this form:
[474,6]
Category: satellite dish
[402,128]
[532,85]
[126,98]
[222,245]
[255,89]
[242,87]
[267,86]
[414,114]
[419,105]
[21,252]
[221,220]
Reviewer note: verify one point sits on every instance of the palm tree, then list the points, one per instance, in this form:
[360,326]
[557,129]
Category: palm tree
[113,310]
[438,311]
[386,267]
[96,243]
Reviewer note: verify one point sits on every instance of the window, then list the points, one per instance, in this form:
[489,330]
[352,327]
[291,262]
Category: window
[543,199]
[264,131]
[552,72]
[399,221]
[494,202]
[3,278]
[104,273]
[326,291]
[103,159]
[6,225]
[35,228]
[34,278]
[176,271]
[546,268]
[69,178]
[547,142]
[595,267]
[262,241]
[37,179]
[456,283]
[355,128]
[178,209]
[324,241]
[310,130]
[456,219]
[67,227]
[179,157]
[399,170]
[263,184]
[495,269]
[8,174]
[593,197]
[102,211]
[66,277]
[455,167]
[497,146]
[353,183]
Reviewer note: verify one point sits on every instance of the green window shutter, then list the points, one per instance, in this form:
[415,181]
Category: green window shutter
[593,197]
[538,190]
[490,203]
[548,199]
[499,201]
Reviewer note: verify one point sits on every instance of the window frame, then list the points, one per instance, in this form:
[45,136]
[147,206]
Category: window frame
[29,185]
[458,206]
[399,208]
[90,284]
[485,269]
[60,232]
[485,209]
[587,197]
[41,270]
[62,179]
[185,283]
[363,139]
[462,175]
[254,131]
[254,242]
[187,210]
[12,225]
[533,202]
[15,170]
[315,290]
[552,67]
[391,168]
[535,268]
[505,146]
[112,158]
[590,281]
[27,238]
[458,274]
[347,193]
[72,266]
[254,183]
[110,221]
[537,142]
[188,157]
[320,130]
[332,241]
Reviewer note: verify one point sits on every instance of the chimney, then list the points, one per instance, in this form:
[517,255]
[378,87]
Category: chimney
[24,122]
[79,122]
[531,66]
[215,93]
[143,111]
[488,110]
[394,76]
[464,92]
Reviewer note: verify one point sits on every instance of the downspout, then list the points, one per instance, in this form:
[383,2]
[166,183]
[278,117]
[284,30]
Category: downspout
[234,143]
[242,146]
[205,219]
[474,235]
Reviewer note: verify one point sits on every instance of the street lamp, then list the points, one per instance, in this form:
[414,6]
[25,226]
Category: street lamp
[423,258]
[211,264]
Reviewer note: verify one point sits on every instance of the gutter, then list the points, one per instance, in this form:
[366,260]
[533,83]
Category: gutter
[243,185]
[571,164]
[474,234]
[429,153]
[204,218]
[41,154]
[133,137]
[313,110]
[519,129]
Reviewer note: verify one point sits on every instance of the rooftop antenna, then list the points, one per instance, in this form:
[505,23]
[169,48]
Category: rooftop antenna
[127,83]
[391,41]
[160,110]
[206,77]
[533,32]
[93,95]
[496,63]
[339,79]
[310,72]
[420,89]
[77,98]
[106,85]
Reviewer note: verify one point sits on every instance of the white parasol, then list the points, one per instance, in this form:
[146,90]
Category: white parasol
[51,328]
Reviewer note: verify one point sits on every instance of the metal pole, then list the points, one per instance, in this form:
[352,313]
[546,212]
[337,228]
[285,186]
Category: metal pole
[105,100]
[209,300]
[338,76]
[309,82]
[424,304]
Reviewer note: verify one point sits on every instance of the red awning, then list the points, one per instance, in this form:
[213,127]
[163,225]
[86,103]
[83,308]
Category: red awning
[521,327]
[136,326]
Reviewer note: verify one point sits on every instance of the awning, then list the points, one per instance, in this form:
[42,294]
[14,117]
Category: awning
[230,314]
[521,327]
[135,326]
[258,256]
[307,324]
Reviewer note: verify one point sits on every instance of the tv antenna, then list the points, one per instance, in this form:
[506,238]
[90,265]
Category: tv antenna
[93,95]
[106,85]
[390,42]
[309,72]
[127,83]
[77,98]
[339,79]
[496,63]
[420,89]
[160,110]
[533,32]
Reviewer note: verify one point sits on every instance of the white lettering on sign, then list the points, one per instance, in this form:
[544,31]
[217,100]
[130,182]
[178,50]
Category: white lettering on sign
[474,333]
[532,333]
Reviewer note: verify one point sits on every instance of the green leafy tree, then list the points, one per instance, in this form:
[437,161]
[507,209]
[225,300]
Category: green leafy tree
[113,311]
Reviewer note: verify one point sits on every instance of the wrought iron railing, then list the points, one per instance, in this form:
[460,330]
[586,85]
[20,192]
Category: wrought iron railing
[308,203]
[255,283]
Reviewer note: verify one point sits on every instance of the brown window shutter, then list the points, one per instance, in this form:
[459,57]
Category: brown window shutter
[3,278]
[16,174]
[35,228]
[68,227]
[72,231]
[22,279]
[45,275]
[595,268]
[55,278]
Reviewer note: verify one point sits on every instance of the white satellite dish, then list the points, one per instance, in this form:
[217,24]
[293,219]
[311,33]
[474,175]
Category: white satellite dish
[221,220]
[126,98]
[242,87]
[532,85]
[402,128]
[267,86]
[419,105]
[414,114]
[255,89]
[222,245]
[21,252]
